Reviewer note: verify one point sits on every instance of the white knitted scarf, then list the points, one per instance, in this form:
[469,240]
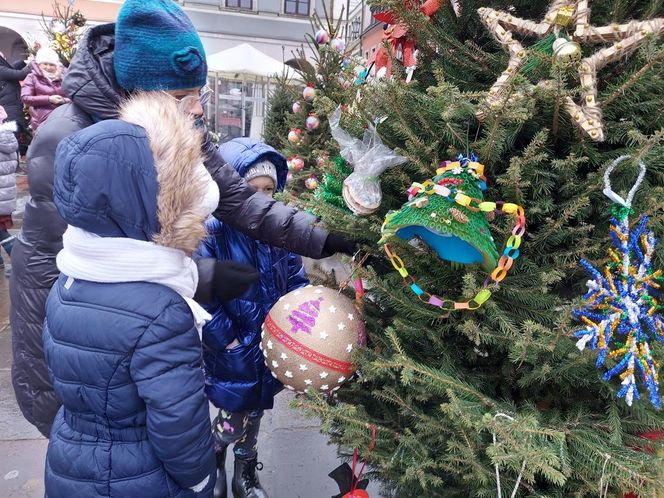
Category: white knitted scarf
[87,256]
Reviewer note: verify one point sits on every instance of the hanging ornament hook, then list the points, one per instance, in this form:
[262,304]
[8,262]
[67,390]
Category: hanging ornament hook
[608,191]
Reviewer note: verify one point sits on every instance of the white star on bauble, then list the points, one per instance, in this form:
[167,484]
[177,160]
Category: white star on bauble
[332,309]
[341,379]
[308,382]
[323,335]
[284,356]
[351,317]
[349,348]
[286,307]
[323,375]
[275,364]
[341,326]
[269,344]
[288,374]
[303,367]
[324,387]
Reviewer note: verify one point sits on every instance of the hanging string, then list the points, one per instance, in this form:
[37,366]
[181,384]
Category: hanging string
[608,191]
[604,490]
[355,276]
[372,444]
[523,465]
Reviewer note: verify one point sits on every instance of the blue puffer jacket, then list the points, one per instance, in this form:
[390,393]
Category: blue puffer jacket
[237,379]
[125,358]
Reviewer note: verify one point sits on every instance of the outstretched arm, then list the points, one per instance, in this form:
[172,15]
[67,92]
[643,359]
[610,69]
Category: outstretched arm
[10,74]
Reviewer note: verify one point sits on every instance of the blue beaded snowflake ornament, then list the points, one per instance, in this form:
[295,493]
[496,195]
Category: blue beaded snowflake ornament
[621,313]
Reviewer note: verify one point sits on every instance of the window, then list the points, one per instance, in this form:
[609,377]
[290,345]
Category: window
[355,26]
[240,4]
[297,7]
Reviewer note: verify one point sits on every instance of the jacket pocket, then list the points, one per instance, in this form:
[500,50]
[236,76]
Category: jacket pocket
[234,365]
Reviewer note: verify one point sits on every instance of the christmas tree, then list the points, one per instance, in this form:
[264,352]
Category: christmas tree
[64,30]
[301,131]
[472,376]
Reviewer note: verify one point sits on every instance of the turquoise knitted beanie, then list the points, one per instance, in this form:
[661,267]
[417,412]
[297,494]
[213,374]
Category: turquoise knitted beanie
[157,48]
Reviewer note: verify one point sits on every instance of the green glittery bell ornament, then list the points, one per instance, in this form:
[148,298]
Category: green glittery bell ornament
[444,212]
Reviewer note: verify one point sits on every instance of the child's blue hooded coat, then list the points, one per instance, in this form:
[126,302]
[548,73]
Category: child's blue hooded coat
[237,379]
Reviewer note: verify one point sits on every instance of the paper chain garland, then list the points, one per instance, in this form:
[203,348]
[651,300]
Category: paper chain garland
[510,253]
[627,38]
[621,310]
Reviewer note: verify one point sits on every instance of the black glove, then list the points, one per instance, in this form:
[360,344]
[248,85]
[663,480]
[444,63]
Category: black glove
[223,279]
[336,243]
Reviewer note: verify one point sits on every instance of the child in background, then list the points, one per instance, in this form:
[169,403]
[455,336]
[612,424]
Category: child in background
[236,378]
[41,90]
[8,164]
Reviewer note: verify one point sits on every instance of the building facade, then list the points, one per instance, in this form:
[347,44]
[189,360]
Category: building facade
[275,27]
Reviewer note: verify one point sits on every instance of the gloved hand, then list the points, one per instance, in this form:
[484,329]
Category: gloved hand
[223,279]
[208,148]
[336,243]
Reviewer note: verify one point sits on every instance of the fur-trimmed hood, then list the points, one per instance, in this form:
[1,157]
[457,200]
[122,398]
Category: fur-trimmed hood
[139,177]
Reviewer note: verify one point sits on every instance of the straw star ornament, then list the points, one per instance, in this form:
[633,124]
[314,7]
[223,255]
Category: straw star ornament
[563,14]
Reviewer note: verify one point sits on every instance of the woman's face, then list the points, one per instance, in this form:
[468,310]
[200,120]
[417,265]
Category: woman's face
[263,184]
[189,99]
[48,67]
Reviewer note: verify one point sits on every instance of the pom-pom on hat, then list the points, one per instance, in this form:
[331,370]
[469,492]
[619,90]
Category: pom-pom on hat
[47,55]
[157,48]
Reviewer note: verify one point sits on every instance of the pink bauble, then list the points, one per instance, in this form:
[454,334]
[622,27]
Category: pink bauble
[322,159]
[338,44]
[309,93]
[296,164]
[322,37]
[297,107]
[312,122]
[308,339]
[294,135]
[311,183]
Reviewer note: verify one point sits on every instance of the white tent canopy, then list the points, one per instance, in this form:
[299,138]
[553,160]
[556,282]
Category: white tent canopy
[247,60]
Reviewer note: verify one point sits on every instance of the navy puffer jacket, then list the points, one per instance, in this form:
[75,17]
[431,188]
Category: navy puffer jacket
[125,358]
[237,379]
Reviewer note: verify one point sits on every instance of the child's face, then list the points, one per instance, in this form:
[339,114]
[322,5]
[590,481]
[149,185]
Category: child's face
[48,67]
[263,184]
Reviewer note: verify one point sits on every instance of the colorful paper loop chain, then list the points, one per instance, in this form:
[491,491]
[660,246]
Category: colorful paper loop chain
[510,252]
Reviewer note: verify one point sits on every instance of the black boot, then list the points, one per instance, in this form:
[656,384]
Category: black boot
[245,481]
[220,489]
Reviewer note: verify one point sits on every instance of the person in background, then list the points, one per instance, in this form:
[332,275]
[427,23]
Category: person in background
[41,90]
[10,93]
[8,164]
[236,378]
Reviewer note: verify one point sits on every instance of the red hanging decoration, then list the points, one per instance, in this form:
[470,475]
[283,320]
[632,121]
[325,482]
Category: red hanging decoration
[345,476]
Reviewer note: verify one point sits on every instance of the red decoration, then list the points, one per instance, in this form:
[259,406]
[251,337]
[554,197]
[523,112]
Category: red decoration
[652,436]
[358,493]
[397,35]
